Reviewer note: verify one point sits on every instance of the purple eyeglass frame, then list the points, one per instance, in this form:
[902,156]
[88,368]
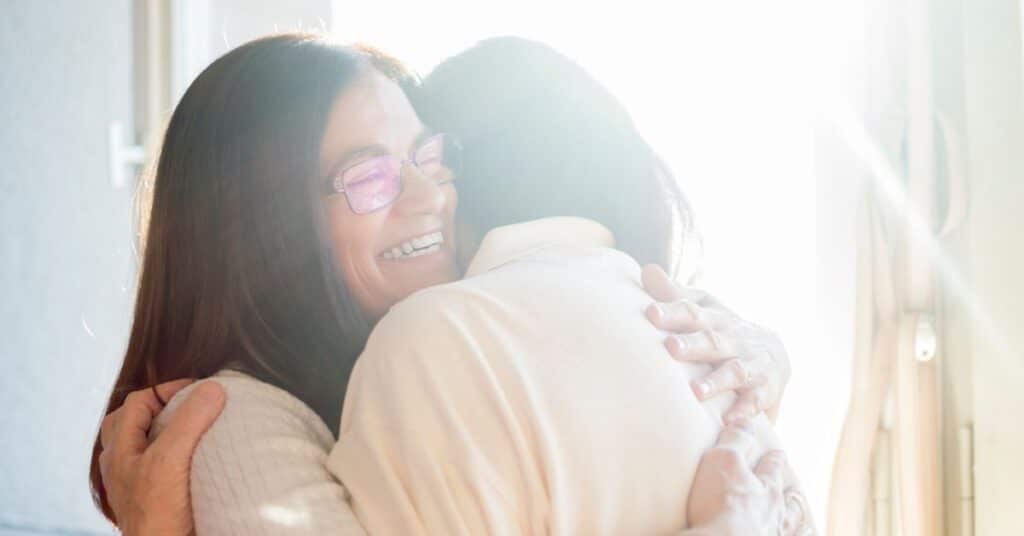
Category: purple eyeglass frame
[450,159]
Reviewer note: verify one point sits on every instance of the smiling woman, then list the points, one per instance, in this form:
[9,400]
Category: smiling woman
[392,230]
[238,270]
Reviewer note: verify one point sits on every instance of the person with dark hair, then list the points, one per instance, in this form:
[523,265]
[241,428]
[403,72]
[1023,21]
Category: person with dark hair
[542,138]
[298,201]
[469,410]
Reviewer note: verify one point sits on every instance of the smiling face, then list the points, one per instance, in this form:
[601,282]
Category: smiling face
[377,251]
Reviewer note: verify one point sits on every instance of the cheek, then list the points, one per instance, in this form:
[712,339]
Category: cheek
[353,238]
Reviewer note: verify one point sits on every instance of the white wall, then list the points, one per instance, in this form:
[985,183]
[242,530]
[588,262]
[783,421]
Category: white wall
[206,29]
[66,269]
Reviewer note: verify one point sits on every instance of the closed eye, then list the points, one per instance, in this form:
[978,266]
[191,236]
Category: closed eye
[365,180]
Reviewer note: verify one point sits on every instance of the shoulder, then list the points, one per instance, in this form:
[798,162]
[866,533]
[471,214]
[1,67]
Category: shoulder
[260,468]
[253,408]
[427,333]
[426,311]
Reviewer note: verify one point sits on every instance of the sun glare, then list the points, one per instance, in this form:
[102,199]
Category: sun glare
[723,91]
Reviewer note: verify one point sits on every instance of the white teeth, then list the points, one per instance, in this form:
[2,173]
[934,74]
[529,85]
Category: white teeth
[424,251]
[421,245]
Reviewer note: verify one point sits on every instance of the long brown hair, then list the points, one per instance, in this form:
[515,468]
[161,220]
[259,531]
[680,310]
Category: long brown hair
[237,269]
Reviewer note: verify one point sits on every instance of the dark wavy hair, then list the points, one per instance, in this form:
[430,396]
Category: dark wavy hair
[543,138]
[237,271]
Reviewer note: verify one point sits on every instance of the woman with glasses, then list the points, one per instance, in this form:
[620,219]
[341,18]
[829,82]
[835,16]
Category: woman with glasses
[298,198]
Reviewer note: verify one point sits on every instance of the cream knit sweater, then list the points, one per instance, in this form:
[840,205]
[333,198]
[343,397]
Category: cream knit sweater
[260,468]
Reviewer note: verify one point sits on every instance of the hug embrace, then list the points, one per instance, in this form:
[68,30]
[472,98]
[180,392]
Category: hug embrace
[377,304]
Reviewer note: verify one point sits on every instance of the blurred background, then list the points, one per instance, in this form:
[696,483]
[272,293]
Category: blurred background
[853,166]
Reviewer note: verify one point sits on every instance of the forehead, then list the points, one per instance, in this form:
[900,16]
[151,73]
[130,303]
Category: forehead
[373,111]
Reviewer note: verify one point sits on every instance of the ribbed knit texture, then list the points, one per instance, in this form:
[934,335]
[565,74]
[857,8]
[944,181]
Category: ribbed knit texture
[260,468]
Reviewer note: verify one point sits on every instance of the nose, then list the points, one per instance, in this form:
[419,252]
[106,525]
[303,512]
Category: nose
[420,194]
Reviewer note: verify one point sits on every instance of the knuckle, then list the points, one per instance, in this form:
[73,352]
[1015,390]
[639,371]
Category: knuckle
[106,431]
[133,398]
[110,418]
[104,462]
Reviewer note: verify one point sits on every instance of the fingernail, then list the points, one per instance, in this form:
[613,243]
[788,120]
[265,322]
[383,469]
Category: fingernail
[655,313]
[676,345]
[701,389]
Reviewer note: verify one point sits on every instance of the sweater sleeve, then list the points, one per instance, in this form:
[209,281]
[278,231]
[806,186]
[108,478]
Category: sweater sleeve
[259,469]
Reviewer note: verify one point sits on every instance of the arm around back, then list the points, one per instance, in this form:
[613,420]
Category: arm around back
[259,469]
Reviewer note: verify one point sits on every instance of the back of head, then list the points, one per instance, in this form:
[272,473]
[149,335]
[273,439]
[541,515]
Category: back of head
[542,138]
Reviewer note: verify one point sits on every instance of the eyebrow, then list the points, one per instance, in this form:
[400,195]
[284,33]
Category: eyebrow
[376,149]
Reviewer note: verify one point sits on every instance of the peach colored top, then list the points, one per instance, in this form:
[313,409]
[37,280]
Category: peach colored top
[532,397]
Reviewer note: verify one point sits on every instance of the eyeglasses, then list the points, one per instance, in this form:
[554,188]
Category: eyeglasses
[375,183]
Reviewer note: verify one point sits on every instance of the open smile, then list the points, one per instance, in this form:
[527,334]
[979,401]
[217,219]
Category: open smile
[415,247]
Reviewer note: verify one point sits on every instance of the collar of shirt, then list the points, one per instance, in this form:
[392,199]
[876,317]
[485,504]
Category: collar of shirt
[506,244]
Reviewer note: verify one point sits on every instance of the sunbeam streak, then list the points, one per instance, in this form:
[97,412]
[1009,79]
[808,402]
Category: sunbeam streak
[891,185]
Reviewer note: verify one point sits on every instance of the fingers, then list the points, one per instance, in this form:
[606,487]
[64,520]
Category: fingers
[732,375]
[728,462]
[686,316]
[167,390]
[796,518]
[777,476]
[107,428]
[104,460]
[738,437]
[136,416]
[771,470]
[707,346]
[750,403]
[661,287]
[195,415]
[658,284]
[130,423]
